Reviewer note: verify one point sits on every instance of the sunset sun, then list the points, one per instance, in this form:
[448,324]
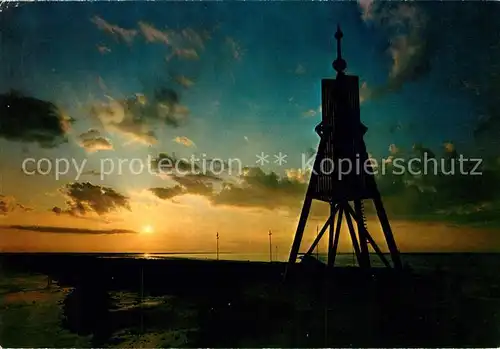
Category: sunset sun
[147,229]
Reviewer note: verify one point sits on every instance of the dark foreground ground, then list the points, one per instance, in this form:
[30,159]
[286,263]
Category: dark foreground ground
[123,302]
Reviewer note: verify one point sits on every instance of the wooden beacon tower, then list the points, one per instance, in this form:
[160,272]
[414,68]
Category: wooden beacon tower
[343,174]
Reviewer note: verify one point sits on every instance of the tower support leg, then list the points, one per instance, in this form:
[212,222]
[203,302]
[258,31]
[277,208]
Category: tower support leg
[371,240]
[299,233]
[353,237]
[362,233]
[386,228]
[378,251]
[333,242]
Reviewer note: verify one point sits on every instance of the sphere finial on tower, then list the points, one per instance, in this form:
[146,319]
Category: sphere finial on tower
[339,64]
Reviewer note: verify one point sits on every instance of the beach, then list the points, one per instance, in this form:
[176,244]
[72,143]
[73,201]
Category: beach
[129,301]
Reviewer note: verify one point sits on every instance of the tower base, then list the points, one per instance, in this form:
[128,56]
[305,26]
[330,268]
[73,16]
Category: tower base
[360,237]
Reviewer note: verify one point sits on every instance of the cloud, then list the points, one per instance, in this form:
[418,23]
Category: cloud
[138,116]
[235,48]
[102,84]
[262,190]
[9,204]
[91,173]
[90,133]
[186,40]
[300,70]
[405,24]
[298,174]
[396,127]
[194,184]
[195,38]
[310,113]
[449,148]
[151,34]
[184,81]
[426,31]
[364,92]
[6,5]
[366,7]
[184,53]
[197,184]
[168,107]
[393,149]
[188,169]
[126,35]
[92,141]
[184,141]
[167,193]
[435,195]
[67,230]
[170,164]
[96,144]
[86,198]
[421,150]
[431,196]
[27,119]
[406,196]
[103,49]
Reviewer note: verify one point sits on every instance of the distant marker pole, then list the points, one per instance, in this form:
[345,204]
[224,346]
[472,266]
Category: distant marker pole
[217,236]
[270,246]
[317,250]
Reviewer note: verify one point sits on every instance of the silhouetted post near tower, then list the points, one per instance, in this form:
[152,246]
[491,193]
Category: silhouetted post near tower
[270,246]
[217,237]
[317,245]
[341,144]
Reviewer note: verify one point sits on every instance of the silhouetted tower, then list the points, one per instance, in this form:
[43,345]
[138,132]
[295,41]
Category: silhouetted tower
[342,173]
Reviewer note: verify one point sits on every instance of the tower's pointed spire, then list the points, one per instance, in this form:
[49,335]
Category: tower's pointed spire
[339,64]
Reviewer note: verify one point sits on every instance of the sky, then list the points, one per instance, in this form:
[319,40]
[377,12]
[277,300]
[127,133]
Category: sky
[94,94]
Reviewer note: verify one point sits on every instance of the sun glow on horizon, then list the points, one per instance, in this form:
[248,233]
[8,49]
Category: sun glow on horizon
[147,229]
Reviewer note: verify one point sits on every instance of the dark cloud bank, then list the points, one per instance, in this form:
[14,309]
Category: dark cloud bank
[28,119]
[139,116]
[86,198]
[65,230]
[441,196]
